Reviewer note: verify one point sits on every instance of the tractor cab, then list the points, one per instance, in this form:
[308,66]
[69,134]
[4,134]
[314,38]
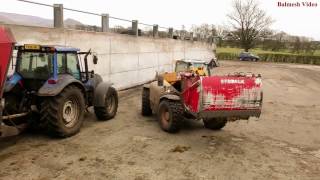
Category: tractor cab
[40,64]
[188,68]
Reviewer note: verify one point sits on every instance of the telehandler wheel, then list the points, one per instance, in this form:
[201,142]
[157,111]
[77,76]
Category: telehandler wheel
[63,114]
[214,123]
[146,109]
[111,106]
[170,115]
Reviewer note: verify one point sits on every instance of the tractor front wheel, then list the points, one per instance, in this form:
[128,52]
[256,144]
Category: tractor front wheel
[215,123]
[111,106]
[63,114]
[170,115]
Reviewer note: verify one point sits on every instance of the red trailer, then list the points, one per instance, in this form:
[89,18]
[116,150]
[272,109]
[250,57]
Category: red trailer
[7,42]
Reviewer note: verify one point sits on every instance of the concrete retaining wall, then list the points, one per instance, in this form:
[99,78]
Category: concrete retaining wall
[123,59]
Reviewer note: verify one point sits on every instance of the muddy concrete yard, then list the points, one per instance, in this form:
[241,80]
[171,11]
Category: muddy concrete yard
[283,144]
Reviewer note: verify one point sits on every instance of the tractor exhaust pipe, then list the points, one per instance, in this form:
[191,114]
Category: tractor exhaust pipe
[86,69]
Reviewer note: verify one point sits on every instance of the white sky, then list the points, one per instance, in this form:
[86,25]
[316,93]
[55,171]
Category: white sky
[301,21]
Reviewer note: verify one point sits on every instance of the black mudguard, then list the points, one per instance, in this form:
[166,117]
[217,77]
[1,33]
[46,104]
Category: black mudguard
[100,93]
[147,86]
[54,89]
[173,97]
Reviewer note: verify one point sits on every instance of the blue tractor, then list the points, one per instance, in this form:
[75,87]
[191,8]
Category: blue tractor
[51,88]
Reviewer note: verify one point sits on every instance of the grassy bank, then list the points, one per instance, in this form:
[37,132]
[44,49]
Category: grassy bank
[260,51]
[271,56]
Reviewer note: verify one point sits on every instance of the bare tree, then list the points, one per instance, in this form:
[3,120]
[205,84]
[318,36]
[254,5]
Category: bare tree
[221,31]
[204,30]
[297,45]
[248,22]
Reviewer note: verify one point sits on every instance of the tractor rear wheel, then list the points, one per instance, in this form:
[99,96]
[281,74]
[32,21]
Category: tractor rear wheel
[111,106]
[170,115]
[146,109]
[214,123]
[63,114]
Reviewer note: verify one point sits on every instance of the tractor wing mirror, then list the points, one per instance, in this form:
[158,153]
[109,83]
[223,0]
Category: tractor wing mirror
[95,59]
[213,63]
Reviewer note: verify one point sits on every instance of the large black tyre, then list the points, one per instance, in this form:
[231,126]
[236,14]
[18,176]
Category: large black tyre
[62,115]
[111,106]
[145,107]
[170,115]
[214,123]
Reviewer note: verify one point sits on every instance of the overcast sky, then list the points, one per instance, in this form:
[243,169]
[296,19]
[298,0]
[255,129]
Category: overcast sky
[303,21]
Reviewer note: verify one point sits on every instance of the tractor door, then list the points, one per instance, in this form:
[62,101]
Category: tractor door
[68,64]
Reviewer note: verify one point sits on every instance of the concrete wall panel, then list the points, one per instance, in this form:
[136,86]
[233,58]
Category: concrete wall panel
[124,62]
[125,79]
[165,58]
[178,55]
[147,60]
[123,59]
[146,75]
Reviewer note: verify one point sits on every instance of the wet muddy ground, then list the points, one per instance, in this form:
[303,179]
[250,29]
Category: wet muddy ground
[283,144]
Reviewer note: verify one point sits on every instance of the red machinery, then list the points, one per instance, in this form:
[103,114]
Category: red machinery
[223,96]
[193,92]
[7,42]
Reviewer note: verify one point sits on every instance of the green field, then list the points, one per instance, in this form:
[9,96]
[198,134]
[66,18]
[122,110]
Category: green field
[257,51]
[271,56]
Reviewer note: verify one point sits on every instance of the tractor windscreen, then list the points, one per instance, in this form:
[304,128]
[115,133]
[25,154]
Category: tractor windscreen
[35,65]
[200,68]
[182,67]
